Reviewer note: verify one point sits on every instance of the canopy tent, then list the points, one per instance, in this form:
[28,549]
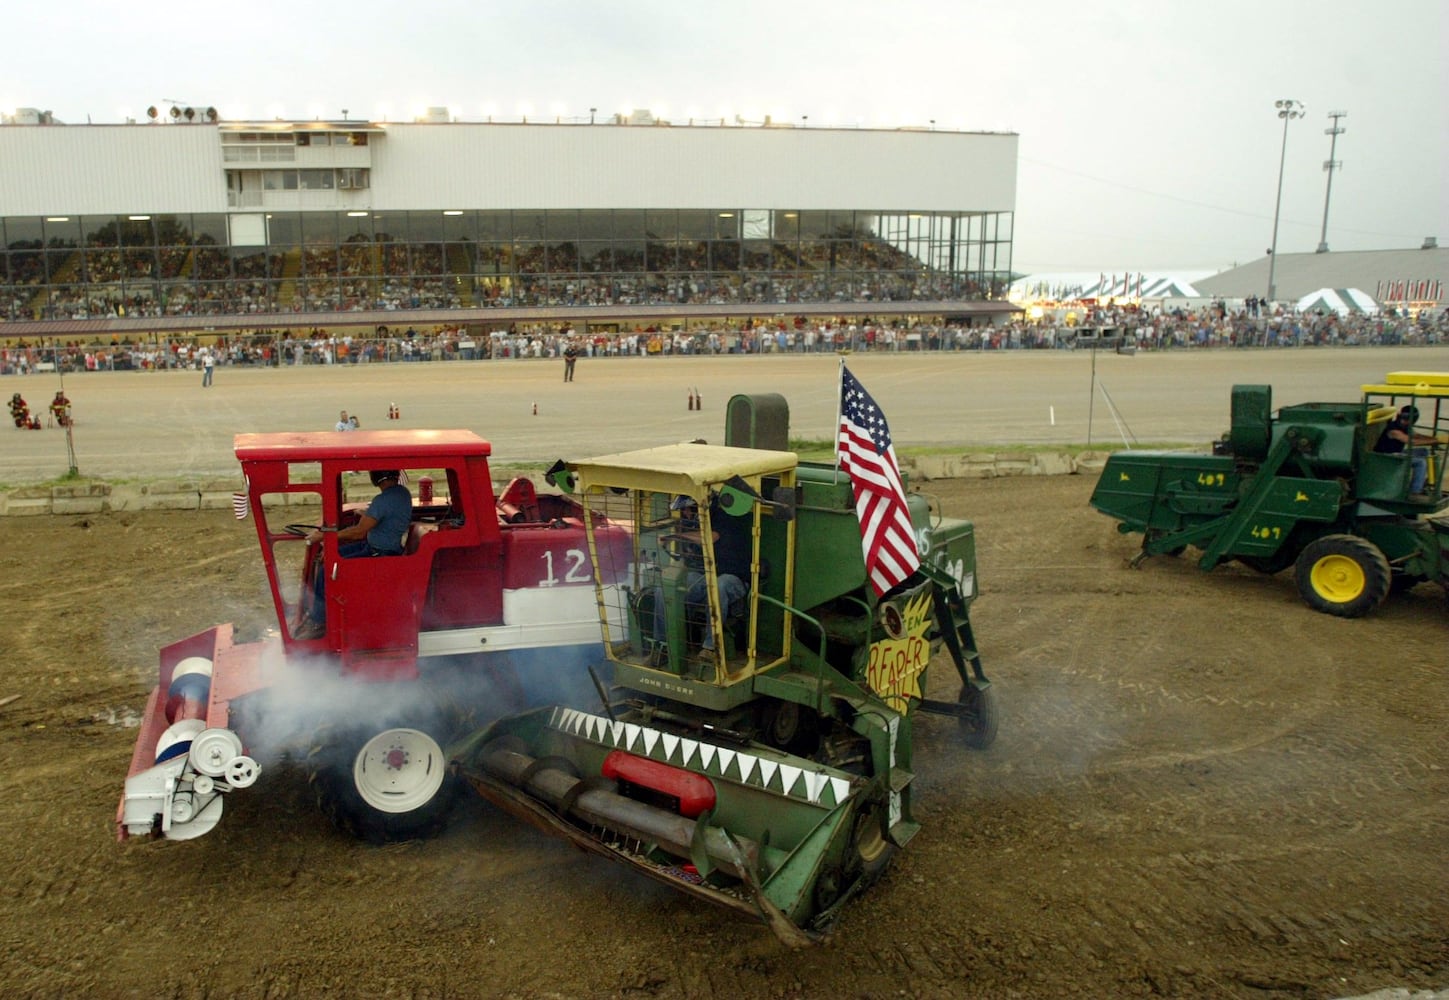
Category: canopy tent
[1339,300]
[1169,288]
[1135,285]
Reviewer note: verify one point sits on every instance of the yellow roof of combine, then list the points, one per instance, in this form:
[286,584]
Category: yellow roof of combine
[1411,384]
[681,468]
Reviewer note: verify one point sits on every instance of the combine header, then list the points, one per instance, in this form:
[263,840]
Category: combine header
[1317,487]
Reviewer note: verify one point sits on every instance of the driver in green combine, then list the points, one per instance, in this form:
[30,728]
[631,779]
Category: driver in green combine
[731,542]
[1399,437]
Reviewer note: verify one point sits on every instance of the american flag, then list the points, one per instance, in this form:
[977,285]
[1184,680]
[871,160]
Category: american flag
[865,452]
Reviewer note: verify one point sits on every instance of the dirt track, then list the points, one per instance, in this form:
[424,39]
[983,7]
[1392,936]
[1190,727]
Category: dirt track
[1201,789]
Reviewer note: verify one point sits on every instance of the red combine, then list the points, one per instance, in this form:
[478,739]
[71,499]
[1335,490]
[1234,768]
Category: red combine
[489,606]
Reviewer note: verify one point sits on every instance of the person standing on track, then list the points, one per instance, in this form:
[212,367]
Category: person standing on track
[571,357]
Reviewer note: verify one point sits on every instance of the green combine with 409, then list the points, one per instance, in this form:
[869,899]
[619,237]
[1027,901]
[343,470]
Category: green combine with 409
[1350,495]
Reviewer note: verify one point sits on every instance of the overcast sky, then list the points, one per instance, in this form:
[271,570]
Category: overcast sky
[1149,137]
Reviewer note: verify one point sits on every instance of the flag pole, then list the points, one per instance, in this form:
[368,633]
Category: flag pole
[839,410]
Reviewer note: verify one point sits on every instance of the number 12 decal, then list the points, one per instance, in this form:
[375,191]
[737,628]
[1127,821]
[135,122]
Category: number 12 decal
[576,571]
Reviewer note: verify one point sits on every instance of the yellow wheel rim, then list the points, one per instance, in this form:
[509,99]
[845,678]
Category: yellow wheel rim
[1338,579]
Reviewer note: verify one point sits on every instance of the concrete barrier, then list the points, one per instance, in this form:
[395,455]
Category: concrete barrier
[991,465]
[216,494]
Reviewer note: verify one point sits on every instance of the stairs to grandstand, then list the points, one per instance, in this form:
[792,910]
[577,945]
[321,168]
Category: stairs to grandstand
[64,276]
[291,268]
[460,266]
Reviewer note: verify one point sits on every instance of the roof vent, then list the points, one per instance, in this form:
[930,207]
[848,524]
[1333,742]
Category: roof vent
[1430,243]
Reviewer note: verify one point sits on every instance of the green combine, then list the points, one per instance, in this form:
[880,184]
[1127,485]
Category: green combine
[754,745]
[1347,494]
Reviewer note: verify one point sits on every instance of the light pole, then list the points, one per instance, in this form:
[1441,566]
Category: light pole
[1288,110]
[1330,164]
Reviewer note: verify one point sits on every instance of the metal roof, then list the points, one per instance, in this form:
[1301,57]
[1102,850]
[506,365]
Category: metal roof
[681,468]
[365,446]
[1299,274]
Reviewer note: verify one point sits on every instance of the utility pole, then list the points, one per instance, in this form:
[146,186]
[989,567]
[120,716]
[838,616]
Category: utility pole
[1329,165]
[1288,109]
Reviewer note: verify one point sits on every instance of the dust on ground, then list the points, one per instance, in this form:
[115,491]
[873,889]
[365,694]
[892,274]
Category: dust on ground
[1200,789]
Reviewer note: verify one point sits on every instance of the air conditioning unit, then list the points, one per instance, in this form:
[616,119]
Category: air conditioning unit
[344,182]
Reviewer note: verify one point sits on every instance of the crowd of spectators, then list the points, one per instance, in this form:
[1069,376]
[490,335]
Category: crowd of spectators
[207,279]
[1211,326]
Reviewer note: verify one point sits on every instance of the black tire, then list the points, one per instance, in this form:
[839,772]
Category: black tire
[1271,565]
[978,728]
[869,853]
[1402,583]
[1342,575]
[866,857]
[384,783]
[1175,551]
[791,727]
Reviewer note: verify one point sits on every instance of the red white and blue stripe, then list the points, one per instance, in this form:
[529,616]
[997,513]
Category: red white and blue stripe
[864,450]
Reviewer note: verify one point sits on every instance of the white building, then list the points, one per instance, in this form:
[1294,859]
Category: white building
[175,225]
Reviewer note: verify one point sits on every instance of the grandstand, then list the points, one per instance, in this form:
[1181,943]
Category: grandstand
[199,224]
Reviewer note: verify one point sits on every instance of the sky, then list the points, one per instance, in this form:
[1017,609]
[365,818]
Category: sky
[1149,136]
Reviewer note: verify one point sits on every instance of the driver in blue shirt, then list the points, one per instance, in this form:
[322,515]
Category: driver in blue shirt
[379,531]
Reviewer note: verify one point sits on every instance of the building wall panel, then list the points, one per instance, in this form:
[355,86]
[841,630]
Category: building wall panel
[49,170]
[100,169]
[524,166]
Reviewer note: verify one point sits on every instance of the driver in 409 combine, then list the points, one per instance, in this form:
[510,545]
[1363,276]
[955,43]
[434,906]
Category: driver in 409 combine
[1349,495]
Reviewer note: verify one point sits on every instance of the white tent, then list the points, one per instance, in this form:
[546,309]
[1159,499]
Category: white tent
[1339,300]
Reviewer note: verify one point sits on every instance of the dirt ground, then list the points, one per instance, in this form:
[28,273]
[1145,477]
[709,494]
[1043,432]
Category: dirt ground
[1200,789]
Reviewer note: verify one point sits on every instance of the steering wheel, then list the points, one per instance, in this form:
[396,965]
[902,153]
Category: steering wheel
[302,530]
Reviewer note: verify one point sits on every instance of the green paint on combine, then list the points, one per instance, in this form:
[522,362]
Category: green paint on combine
[1308,487]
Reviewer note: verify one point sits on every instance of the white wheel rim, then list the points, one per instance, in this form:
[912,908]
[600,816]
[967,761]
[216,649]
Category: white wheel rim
[398,770]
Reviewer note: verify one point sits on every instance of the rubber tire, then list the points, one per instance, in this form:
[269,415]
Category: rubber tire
[333,764]
[1402,583]
[979,732]
[869,852]
[1342,575]
[1269,565]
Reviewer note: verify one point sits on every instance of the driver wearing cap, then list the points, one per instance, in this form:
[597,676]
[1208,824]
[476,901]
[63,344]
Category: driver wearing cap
[379,531]
[1399,437]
